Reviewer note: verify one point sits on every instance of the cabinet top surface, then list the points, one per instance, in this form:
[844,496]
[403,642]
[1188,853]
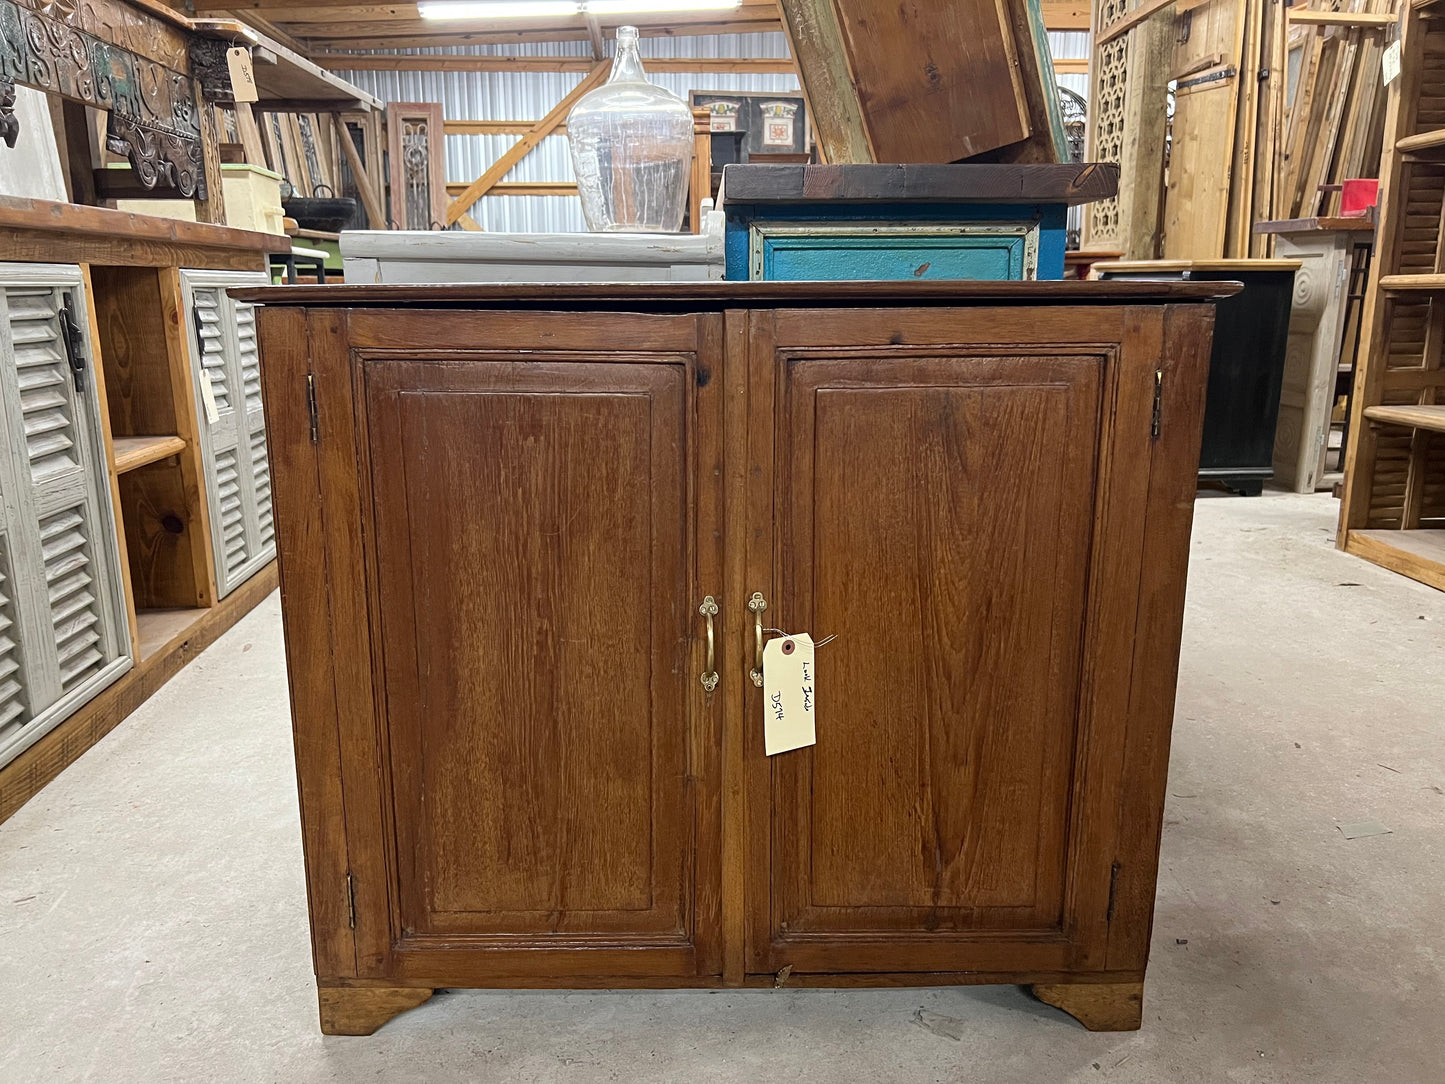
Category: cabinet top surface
[719,294]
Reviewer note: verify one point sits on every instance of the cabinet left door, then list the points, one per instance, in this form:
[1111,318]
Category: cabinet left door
[63,631]
[518,520]
[226,374]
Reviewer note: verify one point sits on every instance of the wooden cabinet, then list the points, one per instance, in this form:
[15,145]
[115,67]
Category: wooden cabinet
[63,629]
[499,510]
[226,376]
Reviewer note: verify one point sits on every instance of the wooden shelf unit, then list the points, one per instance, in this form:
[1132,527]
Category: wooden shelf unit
[1393,507]
[154,454]
[133,452]
[1411,417]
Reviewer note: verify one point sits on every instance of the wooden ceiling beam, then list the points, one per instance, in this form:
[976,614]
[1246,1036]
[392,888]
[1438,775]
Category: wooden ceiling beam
[386,35]
[384,62]
[1066,14]
[523,147]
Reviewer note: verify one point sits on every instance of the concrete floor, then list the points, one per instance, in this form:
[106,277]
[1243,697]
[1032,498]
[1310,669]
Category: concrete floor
[153,914]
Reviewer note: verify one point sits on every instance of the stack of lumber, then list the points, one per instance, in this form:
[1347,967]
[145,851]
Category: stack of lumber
[1229,107]
[927,82]
[302,147]
[1337,111]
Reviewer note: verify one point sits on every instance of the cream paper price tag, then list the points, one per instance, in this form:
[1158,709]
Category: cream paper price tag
[243,77]
[1390,62]
[208,397]
[789,694]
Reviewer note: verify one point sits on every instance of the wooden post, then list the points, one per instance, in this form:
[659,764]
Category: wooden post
[701,165]
[369,199]
[816,42]
[213,207]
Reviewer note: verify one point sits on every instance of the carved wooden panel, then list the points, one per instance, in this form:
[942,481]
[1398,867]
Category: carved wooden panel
[1127,125]
[117,59]
[418,172]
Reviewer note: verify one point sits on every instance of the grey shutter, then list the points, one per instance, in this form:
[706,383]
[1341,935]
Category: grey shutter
[238,473]
[63,632]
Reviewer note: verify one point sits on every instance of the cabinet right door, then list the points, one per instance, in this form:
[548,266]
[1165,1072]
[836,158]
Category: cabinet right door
[964,520]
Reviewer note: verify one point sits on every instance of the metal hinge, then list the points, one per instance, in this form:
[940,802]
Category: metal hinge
[350,903]
[1113,890]
[74,344]
[1158,403]
[311,407]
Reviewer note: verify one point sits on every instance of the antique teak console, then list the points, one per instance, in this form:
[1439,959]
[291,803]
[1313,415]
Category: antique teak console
[531,756]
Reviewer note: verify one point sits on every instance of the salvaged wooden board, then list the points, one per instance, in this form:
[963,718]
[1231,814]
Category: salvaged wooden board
[1128,124]
[926,82]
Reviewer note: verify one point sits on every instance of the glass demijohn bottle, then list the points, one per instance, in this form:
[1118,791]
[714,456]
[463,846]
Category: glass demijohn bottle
[631,149]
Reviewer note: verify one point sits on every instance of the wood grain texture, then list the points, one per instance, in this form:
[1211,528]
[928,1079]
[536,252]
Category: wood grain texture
[186,424]
[361,1010]
[957,550]
[160,527]
[1168,516]
[936,82]
[1099,1006]
[1419,554]
[492,558]
[101,224]
[132,452]
[554,773]
[98,367]
[972,182]
[289,348]
[27,774]
[130,322]
[815,39]
[743,294]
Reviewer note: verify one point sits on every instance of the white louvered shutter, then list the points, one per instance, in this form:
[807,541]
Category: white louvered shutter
[238,473]
[63,633]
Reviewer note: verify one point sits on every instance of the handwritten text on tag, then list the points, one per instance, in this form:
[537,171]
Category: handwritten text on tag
[790,696]
[243,78]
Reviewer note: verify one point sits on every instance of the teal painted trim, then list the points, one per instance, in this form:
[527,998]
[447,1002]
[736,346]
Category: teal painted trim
[1046,73]
[892,258]
[1051,217]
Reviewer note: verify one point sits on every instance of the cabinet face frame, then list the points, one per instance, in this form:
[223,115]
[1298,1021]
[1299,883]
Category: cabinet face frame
[88,484]
[1144,500]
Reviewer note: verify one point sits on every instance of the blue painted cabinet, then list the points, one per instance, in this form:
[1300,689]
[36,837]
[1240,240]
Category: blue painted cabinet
[831,244]
[882,222]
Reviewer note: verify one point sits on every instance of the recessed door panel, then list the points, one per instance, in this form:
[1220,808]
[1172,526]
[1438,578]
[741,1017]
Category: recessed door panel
[935,514]
[533,546]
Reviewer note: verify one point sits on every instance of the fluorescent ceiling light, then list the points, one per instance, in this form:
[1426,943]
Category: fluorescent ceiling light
[515,9]
[497,9]
[642,7]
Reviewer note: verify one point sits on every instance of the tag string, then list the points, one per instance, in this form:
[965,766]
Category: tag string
[818,643]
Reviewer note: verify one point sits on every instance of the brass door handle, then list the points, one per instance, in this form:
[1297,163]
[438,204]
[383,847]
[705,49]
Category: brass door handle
[758,604]
[708,609]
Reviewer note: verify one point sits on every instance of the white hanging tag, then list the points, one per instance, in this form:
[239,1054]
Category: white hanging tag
[208,397]
[789,694]
[1390,62]
[243,78]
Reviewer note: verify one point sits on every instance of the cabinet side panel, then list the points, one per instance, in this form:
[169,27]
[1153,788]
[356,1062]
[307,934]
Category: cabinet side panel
[301,544]
[1169,516]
